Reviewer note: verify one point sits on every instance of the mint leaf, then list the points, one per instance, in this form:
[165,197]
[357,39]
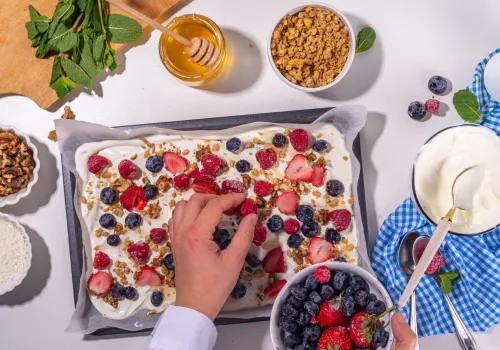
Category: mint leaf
[41,22]
[62,12]
[64,39]
[122,29]
[98,47]
[447,280]
[76,73]
[44,47]
[110,59]
[31,29]
[86,60]
[56,69]
[87,13]
[62,86]
[35,41]
[365,39]
[467,106]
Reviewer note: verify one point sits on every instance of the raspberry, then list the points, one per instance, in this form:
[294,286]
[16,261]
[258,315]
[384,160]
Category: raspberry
[211,163]
[291,226]
[436,262]
[263,188]
[181,182]
[259,235]
[101,260]
[299,139]
[232,186]
[157,235]
[322,274]
[139,252]
[247,207]
[341,218]
[266,158]
[194,173]
[96,163]
[432,106]
[127,169]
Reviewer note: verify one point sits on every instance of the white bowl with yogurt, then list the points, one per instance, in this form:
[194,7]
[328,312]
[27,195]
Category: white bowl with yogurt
[438,163]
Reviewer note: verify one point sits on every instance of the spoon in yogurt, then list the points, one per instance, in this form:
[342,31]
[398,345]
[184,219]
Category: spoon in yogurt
[463,190]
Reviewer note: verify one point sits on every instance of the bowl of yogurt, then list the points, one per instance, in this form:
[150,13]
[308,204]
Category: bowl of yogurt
[442,158]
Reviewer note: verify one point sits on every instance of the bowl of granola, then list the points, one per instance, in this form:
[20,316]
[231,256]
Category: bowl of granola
[312,47]
[19,165]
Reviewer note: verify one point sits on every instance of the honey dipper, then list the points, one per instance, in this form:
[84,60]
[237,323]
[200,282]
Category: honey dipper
[201,51]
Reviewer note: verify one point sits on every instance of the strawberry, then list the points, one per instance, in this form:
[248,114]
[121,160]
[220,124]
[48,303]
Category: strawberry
[101,260]
[299,169]
[287,202]
[248,206]
[330,313]
[205,184]
[322,274]
[335,338]
[128,170]
[291,226]
[99,283]
[211,163]
[157,235]
[266,157]
[133,198]
[274,261]
[181,182]
[319,250]
[147,276]
[319,172]
[364,325]
[272,291]
[299,139]
[139,252]
[194,173]
[263,188]
[341,218]
[313,320]
[259,235]
[96,163]
[175,163]
[232,186]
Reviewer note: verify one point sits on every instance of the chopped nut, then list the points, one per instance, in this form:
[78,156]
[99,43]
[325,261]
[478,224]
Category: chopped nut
[345,158]
[247,180]
[264,214]
[216,147]
[287,132]
[231,163]
[311,157]
[186,151]
[248,145]
[149,144]
[90,205]
[350,201]
[122,184]
[52,135]
[119,229]
[163,183]
[322,216]
[154,210]
[83,200]
[68,113]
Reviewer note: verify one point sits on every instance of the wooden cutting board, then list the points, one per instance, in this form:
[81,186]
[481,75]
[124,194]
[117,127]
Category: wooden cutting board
[23,74]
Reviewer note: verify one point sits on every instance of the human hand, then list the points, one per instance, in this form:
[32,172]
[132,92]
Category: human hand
[406,339]
[205,275]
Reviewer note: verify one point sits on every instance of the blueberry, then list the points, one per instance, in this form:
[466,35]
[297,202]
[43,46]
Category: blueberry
[107,221]
[242,166]
[376,307]
[275,223]
[287,324]
[113,240]
[310,283]
[150,191]
[349,306]
[252,260]
[357,282]
[315,297]
[133,220]
[380,338]
[327,292]
[311,308]
[312,332]
[437,85]
[416,110]
[320,145]
[372,297]
[154,163]
[361,299]
[156,298]
[108,195]
[303,318]
[225,244]
[168,261]
[233,144]
[294,241]
[334,188]
[117,291]
[341,280]
[220,236]
[341,259]
[279,140]
[309,345]
[349,291]
[310,229]
[291,340]
[304,213]
[289,311]
[129,293]
[299,292]
[239,291]
[332,236]
[296,303]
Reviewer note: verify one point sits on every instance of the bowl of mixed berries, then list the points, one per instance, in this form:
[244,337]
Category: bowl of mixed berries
[332,306]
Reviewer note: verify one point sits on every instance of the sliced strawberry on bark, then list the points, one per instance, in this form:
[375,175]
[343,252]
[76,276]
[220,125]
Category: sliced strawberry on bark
[101,260]
[97,163]
[211,163]
[175,163]
[274,261]
[232,186]
[99,283]
[319,250]
[128,170]
[287,202]
[263,188]
[194,173]
[248,206]
[139,252]
[206,185]
[266,157]
[319,172]
[299,169]
[147,276]
[259,235]
[133,198]
[341,218]
[272,291]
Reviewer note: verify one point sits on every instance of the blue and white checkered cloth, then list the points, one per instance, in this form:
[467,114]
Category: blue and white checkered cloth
[476,295]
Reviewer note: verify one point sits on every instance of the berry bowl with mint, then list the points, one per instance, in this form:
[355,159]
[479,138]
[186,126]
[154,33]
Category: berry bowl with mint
[332,306]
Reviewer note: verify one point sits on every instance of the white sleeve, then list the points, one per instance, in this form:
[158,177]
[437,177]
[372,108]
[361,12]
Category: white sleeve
[181,328]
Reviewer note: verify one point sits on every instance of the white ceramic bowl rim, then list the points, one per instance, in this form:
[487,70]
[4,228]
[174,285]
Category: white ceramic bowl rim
[348,63]
[16,197]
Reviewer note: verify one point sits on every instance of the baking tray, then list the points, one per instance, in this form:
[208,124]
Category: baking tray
[306,116]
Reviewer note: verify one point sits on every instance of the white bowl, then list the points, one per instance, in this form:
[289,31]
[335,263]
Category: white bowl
[350,58]
[19,278]
[376,288]
[15,197]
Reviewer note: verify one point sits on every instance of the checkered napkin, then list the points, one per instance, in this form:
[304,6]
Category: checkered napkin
[476,295]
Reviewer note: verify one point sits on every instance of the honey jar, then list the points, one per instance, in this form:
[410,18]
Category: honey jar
[174,56]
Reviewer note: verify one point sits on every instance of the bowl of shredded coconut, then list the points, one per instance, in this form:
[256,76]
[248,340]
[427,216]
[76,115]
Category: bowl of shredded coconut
[15,254]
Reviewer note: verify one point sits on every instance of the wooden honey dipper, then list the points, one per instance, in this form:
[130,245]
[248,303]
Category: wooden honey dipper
[201,51]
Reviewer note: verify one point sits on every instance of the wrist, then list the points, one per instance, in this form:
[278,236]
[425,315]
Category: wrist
[203,309]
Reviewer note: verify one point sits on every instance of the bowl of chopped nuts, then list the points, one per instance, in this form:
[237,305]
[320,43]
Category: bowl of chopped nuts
[19,165]
[312,47]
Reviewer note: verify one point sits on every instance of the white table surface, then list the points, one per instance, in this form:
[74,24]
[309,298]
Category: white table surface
[415,40]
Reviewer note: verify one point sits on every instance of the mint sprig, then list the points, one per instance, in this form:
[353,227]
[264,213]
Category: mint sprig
[365,39]
[467,106]
[447,280]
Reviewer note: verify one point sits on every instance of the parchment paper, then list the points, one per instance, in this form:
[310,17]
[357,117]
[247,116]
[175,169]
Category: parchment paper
[72,134]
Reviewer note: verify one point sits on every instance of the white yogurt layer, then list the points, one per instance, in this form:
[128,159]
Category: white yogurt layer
[443,159]
[338,167]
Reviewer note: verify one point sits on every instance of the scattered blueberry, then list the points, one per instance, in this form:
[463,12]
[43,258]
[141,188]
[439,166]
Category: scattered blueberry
[348,306]
[334,188]
[312,332]
[279,140]
[341,259]
[275,223]
[357,282]
[287,324]
[233,144]
[252,260]
[108,195]
[327,292]
[117,291]
[154,163]
[296,303]
[294,241]
[349,291]
[320,145]
[129,293]
[310,283]
[156,298]
[291,341]
[220,236]
[310,229]
[107,221]
[242,166]
[437,85]
[289,311]
[416,110]
[113,240]
[372,297]
[299,292]
[376,307]
[225,244]
[380,338]
[239,291]
[304,213]
[361,299]
[311,308]
[309,345]
[315,297]
[133,220]
[303,319]
[341,280]
[168,261]
[150,191]
[332,235]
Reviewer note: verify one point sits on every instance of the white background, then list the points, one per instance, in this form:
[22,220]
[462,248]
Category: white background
[415,40]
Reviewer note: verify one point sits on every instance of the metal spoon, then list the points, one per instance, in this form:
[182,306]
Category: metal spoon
[407,264]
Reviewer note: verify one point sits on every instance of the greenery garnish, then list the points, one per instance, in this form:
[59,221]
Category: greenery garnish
[78,37]
[447,280]
[365,39]
[467,106]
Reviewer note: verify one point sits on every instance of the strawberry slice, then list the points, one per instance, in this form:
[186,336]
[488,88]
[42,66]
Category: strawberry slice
[319,250]
[319,172]
[128,170]
[287,202]
[274,261]
[211,163]
[259,235]
[194,173]
[341,218]
[175,163]
[97,163]
[205,184]
[99,283]
[147,276]
[299,169]
[272,291]
[133,198]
